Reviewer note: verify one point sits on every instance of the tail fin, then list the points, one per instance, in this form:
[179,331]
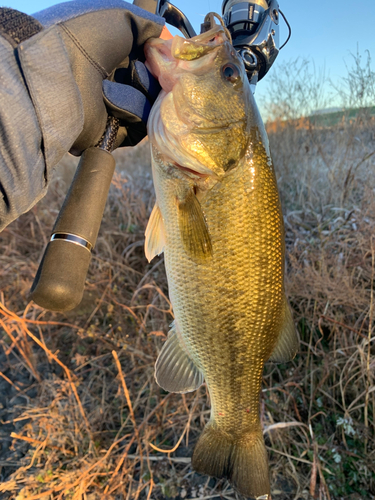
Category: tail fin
[242,460]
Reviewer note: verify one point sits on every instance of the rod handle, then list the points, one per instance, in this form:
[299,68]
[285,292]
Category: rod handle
[61,276]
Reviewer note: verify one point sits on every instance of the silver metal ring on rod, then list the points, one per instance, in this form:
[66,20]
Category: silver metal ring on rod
[72,238]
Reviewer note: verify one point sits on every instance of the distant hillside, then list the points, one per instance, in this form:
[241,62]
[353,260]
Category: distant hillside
[324,118]
[330,118]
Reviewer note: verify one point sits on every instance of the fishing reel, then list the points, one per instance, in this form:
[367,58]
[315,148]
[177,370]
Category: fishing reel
[253,25]
[60,280]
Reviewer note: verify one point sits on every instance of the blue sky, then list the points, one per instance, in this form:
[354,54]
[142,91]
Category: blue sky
[326,31]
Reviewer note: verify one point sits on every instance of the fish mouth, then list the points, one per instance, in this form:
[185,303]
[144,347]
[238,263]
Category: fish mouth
[165,57]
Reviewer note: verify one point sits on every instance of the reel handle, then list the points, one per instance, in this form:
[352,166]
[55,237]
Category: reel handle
[60,280]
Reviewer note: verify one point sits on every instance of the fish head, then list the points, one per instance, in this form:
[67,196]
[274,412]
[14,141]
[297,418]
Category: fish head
[201,118]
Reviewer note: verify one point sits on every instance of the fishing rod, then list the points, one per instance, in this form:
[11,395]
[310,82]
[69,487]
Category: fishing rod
[60,279]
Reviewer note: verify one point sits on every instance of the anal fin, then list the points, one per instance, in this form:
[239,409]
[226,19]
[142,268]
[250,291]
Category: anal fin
[193,228]
[175,371]
[155,237]
[288,341]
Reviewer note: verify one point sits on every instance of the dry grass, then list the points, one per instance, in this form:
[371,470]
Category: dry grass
[82,405]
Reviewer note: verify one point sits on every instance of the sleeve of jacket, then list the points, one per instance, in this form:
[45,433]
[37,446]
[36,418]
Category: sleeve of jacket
[38,122]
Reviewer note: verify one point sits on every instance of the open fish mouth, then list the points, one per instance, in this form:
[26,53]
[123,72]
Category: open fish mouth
[200,45]
[165,58]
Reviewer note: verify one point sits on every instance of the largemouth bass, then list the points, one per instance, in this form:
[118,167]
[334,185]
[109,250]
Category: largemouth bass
[218,220]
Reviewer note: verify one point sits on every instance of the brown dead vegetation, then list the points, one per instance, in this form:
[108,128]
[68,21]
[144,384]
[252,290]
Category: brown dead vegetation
[80,406]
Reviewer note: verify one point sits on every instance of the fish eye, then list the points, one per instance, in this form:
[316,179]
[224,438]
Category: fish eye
[230,72]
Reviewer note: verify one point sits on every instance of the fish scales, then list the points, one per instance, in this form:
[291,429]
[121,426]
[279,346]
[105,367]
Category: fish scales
[228,307]
[218,219]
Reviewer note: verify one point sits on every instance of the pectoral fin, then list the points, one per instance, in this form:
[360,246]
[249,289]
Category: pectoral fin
[193,228]
[155,237]
[288,341]
[175,371]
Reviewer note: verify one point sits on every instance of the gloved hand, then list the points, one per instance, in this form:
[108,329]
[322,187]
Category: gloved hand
[52,68]
[99,37]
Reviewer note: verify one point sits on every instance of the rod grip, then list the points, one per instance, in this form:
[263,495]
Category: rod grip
[60,279]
